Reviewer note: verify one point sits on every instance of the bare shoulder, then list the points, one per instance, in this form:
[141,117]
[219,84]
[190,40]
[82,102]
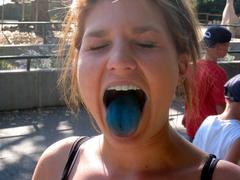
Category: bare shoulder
[226,170]
[52,161]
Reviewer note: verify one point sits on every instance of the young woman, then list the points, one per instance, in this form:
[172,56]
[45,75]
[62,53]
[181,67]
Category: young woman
[127,58]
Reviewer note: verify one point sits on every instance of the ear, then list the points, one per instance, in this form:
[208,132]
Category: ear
[183,65]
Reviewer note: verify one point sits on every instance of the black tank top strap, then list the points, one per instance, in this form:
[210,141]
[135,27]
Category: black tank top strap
[208,168]
[72,156]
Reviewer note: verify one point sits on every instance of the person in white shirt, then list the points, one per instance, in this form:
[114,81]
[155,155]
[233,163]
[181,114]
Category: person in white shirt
[230,18]
[220,134]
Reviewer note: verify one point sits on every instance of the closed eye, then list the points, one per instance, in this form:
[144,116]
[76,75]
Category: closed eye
[98,47]
[147,45]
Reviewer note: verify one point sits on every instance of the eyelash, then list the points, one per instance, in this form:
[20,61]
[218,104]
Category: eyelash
[147,45]
[95,48]
[142,45]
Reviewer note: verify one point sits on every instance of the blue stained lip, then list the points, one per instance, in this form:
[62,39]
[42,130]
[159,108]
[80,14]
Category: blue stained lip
[124,109]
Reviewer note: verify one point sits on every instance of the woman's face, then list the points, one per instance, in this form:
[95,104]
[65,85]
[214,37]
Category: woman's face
[126,46]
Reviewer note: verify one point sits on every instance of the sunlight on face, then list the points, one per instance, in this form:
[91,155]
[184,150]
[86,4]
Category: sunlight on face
[127,43]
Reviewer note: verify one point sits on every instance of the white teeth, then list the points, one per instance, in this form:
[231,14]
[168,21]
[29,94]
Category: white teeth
[123,88]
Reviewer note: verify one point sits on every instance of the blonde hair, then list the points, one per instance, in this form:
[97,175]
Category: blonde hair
[181,23]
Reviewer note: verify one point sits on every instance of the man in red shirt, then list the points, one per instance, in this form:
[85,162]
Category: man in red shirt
[209,80]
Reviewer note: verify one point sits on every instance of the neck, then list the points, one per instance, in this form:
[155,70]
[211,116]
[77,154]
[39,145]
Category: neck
[231,111]
[156,154]
[210,56]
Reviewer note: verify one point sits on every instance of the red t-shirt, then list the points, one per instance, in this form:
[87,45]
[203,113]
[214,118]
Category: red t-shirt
[207,93]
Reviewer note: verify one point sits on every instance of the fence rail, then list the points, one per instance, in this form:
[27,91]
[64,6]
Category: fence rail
[225,25]
[206,17]
[28,58]
[29,22]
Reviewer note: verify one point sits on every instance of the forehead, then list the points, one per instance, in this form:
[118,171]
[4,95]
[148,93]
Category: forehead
[125,14]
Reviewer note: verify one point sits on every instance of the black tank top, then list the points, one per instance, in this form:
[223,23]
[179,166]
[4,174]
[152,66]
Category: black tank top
[72,156]
[207,171]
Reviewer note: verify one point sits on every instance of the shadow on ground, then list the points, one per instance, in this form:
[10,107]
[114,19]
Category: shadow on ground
[25,134]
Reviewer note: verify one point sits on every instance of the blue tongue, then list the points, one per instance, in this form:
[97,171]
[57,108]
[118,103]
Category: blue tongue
[123,114]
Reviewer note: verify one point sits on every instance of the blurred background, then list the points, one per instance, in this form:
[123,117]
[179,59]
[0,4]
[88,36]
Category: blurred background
[33,114]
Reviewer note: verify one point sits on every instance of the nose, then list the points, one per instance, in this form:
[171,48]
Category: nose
[121,58]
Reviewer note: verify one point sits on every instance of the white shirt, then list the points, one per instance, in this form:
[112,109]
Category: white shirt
[215,136]
[229,17]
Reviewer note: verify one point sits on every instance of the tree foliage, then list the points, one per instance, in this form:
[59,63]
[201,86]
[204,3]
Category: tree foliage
[215,6]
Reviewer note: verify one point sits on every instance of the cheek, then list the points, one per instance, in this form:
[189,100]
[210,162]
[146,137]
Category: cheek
[163,79]
[165,72]
[167,80]
[222,53]
[89,75]
[88,82]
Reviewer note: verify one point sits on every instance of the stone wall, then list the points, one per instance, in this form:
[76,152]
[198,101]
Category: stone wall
[23,90]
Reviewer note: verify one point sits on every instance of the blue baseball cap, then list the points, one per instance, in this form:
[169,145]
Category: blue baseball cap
[232,89]
[216,34]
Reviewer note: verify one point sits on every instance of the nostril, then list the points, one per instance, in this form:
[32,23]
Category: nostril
[121,63]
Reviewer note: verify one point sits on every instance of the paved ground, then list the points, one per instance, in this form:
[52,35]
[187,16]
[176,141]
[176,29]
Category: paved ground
[25,134]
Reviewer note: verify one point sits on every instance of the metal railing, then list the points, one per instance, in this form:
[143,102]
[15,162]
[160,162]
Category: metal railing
[233,51]
[225,25]
[28,58]
[206,17]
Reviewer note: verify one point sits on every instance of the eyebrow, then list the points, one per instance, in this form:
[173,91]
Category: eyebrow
[97,33]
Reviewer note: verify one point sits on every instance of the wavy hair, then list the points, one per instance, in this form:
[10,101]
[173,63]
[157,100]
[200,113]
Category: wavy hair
[181,22]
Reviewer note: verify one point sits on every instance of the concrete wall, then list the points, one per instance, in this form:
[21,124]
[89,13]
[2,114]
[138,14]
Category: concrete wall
[22,90]
[232,68]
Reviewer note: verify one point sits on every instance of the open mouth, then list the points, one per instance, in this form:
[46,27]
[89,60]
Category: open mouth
[120,91]
[124,106]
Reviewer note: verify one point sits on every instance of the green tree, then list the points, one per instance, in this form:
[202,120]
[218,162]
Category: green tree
[215,6]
